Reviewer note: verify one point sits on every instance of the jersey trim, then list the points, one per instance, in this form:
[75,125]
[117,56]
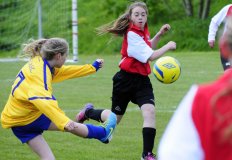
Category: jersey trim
[47,98]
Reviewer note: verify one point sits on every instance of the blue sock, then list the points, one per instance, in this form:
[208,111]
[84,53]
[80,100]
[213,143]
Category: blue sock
[96,132]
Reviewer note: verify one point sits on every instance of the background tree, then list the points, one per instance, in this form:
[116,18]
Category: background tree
[204,9]
[188,7]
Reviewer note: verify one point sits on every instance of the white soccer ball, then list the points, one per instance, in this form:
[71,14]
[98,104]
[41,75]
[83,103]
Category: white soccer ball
[167,69]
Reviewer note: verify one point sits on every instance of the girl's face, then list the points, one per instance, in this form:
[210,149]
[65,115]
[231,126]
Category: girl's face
[139,17]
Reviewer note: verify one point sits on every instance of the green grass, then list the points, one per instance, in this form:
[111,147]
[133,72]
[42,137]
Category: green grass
[197,67]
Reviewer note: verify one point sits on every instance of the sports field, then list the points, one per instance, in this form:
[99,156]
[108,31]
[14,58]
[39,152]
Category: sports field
[197,67]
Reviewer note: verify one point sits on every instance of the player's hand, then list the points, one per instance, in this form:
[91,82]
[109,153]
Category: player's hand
[211,43]
[98,63]
[171,45]
[164,29]
[71,125]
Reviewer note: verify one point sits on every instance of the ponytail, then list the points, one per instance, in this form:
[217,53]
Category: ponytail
[46,48]
[33,47]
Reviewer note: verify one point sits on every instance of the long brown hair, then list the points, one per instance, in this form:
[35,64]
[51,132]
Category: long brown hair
[46,48]
[226,90]
[120,25]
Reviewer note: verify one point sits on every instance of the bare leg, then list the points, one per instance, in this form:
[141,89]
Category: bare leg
[148,112]
[80,129]
[41,148]
[105,114]
[149,131]
[104,134]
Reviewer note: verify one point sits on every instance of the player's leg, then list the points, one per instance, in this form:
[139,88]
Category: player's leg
[102,132]
[144,97]
[32,135]
[120,100]
[41,148]
[121,93]
[89,112]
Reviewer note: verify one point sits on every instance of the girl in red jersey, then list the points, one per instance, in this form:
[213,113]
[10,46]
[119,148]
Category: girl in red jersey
[132,83]
[201,128]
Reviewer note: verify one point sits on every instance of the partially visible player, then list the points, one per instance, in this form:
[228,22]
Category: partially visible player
[213,28]
[201,127]
[32,108]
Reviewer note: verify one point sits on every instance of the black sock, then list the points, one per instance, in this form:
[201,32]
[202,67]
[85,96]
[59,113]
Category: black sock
[148,139]
[94,114]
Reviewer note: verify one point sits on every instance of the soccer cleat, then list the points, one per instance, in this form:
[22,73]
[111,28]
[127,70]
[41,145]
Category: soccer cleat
[109,126]
[149,156]
[81,117]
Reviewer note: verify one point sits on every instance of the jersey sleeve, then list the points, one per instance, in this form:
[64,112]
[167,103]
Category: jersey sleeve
[138,48]
[180,140]
[44,101]
[72,71]
[216,22]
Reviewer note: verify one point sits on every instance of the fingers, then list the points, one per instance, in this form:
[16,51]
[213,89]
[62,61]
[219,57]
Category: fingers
[100,61]
[165,28]
[172,45]
[211,44]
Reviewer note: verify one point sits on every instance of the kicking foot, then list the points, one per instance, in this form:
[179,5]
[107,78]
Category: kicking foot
[109,126]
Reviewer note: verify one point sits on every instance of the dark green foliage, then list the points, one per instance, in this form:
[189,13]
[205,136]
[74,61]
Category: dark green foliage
[18,23]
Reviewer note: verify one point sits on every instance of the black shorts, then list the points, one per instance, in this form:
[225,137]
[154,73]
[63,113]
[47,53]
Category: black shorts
[130,87]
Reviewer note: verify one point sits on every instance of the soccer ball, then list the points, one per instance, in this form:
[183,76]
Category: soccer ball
[167,69]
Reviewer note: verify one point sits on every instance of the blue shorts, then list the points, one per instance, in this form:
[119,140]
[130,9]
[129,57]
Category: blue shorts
[28,132]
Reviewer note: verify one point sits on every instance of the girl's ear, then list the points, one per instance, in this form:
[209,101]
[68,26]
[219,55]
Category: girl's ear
[224,47]
[58,56]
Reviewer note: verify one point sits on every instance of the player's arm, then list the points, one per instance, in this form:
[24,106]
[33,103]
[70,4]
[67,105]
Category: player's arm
[180,140]
[74,71]
[44,101]
[138,48]
[215,23]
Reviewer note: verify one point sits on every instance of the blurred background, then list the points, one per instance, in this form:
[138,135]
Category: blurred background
[19,21]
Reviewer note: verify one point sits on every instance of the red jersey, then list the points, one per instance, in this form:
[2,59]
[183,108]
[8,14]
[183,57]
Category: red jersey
[195,132]
[229,12]
[130,64]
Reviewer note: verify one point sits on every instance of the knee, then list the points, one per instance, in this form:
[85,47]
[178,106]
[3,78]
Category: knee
[149,112]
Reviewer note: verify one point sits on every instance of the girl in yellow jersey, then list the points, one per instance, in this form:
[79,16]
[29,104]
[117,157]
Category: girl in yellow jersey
[32,108]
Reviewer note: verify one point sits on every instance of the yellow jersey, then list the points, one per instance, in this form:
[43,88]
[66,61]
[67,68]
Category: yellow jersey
[31,93]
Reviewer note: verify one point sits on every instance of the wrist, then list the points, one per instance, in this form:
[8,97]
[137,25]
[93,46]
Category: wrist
[96,65]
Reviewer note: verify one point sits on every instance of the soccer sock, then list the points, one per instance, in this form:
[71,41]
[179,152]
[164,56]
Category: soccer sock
[148,139]
[94,114]
[96,132]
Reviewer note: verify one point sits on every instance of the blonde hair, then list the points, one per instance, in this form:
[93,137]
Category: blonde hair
[120,25]
[226,90]
[46,48]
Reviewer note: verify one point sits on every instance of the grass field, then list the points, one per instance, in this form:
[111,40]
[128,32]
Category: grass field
[197,67]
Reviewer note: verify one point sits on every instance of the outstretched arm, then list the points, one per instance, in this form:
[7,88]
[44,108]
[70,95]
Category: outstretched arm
[159,52]
[140,50]
[74,71]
